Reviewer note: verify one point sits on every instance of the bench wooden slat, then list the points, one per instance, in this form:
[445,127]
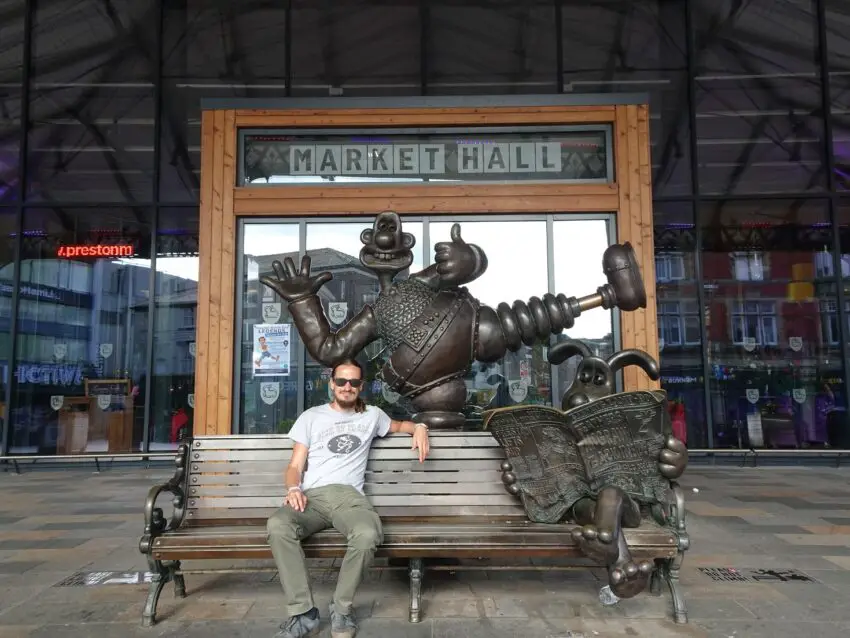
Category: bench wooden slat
[412,465]
[372,478]
[406,488]
[456,527]
[379,500]
[515,539]
[400,453]
[261,514]
[441,439]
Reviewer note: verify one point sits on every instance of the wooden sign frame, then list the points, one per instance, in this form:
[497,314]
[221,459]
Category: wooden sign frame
[222,201]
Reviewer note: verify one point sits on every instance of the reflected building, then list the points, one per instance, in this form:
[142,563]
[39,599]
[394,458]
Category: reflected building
[100,142]
[81,325]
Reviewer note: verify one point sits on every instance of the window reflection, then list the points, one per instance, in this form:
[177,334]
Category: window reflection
[82,332]
[268,365]
[776,367]
[7,270]
[578,248]
[679,335]
[175,323]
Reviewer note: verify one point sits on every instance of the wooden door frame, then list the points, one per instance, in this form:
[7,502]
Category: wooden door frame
[222,201]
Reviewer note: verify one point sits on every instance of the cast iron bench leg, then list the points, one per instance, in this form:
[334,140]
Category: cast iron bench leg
[415,571]
[657,577]
[680,612]
[161,575]
[179,583]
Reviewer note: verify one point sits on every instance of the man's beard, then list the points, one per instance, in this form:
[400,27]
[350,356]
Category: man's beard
[346,403]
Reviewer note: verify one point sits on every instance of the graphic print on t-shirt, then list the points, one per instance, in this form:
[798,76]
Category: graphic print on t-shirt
[344,444]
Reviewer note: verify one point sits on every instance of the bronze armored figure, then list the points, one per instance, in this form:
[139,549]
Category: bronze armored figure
[432,328]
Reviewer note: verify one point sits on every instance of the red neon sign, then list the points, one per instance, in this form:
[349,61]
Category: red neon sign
[98,250]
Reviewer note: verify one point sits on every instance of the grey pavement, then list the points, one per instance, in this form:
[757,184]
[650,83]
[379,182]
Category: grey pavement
[784,531]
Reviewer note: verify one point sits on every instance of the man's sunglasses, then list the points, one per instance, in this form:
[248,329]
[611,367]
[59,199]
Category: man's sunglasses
[340,382]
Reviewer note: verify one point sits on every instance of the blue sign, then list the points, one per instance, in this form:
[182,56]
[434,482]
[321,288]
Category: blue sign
[64,374]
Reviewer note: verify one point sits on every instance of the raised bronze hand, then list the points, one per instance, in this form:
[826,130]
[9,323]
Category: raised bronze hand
[673,458]
[458,262]
[293,285]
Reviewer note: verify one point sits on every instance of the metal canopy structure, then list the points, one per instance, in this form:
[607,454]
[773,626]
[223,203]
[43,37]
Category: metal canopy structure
[100,100]
[108,86]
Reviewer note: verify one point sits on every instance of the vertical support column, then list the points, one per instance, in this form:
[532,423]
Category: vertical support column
[23,179]
[214,360]
[692,53]
[647,231]
[227,267]
[157,170]
[559,45]
[829,152]
[634,224]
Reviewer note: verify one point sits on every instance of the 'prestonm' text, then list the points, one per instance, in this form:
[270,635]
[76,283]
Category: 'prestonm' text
[98,250]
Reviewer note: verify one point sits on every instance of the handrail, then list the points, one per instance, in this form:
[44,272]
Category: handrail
[95,456]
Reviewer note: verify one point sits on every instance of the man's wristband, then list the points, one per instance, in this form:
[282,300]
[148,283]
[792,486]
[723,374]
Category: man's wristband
[293,488]
[420,425]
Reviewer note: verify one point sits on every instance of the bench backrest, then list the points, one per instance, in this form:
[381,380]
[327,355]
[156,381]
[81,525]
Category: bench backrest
[239,479]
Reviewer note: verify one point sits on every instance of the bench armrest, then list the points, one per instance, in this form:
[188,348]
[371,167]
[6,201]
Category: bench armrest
[155,522]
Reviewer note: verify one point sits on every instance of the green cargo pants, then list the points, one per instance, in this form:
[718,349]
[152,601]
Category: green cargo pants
[346,510]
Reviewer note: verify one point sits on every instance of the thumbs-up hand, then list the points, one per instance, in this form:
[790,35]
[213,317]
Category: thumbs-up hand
[456,261]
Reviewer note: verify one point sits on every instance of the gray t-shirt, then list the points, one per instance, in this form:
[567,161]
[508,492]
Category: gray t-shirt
[338,443]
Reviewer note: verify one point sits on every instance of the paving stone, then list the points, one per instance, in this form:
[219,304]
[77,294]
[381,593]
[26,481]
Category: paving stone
[837,520]
[91,526]
[67,613]
[741,519]
[558,628]
[822,604]
[54,543]
[779,549]
[17,567]
[772,629]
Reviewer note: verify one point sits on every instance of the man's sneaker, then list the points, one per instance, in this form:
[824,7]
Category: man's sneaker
[342,625]
[300,626]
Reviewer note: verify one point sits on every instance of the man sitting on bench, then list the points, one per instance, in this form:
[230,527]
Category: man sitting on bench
[333,442]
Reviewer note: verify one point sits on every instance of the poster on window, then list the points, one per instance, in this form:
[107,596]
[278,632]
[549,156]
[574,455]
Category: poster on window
[271,350]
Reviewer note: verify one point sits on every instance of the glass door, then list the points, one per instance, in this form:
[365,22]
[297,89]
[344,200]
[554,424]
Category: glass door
[528,255]
[267,372]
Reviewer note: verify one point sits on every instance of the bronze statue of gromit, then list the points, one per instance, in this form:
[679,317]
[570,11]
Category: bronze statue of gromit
[603,517]
[596,377]
[432,328]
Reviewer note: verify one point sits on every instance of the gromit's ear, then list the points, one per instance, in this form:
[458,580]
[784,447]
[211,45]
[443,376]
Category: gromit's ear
[366,236]
[633,357]
[563,350]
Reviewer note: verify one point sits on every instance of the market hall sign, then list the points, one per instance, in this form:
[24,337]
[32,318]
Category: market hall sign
[424,159]
[569,156]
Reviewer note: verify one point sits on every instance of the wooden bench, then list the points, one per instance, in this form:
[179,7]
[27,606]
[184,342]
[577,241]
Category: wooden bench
[453,505]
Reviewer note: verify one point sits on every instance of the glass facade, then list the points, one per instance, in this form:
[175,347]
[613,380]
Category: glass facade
[275,364]
[100,176]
